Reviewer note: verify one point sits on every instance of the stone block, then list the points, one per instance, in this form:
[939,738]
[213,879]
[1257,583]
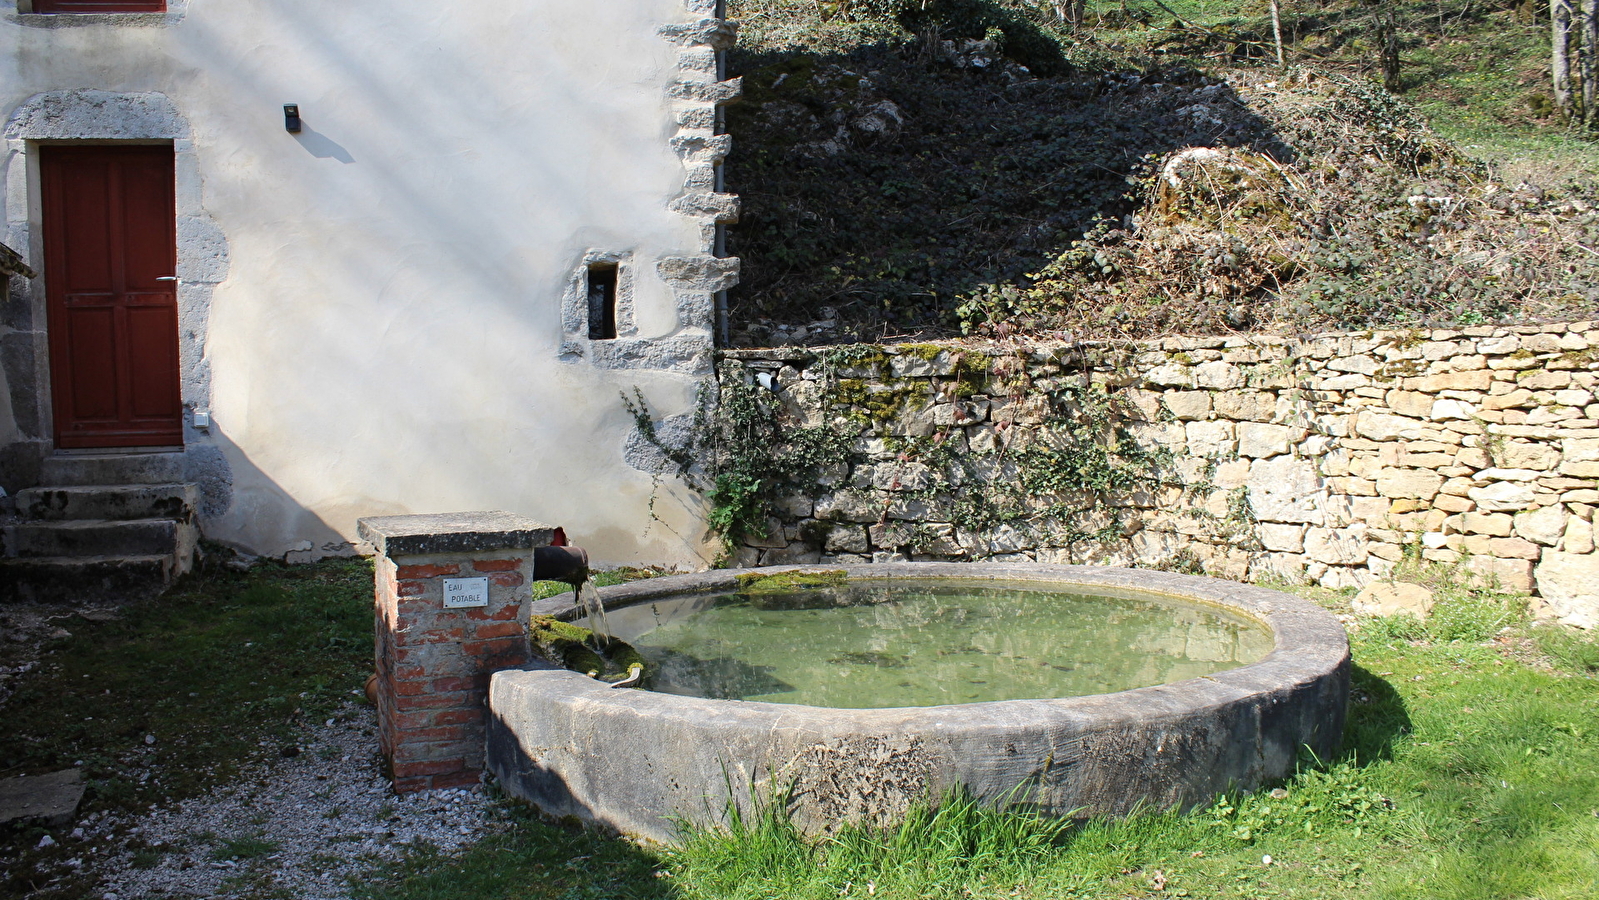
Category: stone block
[1578,537]
[1491,524]
[49,800]
[1256,439]
[847,539]
[1384,598]
[1543,380]
[1513,548]
[1218,376]
[1281,538]
[1250,406]
[1543,526]
[1569,584]
[1344,546]
[1520,398]
[1210,438]
[1188,405]
[1580,449]
[1289,567]
[1232,474]
[1418,484]
[1477,380]
[1451,409]
[914,365]
[1285,489]
[1170,375]
[1580,469]
[1383,427]
[1502,496]
[849,506]
[1506,574]
[1409,403]
[798,553]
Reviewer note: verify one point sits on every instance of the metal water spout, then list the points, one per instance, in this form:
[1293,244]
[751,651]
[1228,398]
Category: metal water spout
[560,562]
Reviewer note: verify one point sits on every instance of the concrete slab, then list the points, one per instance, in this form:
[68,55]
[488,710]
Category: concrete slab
[51,799]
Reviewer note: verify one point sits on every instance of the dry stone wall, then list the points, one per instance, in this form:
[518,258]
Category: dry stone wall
[1328,459]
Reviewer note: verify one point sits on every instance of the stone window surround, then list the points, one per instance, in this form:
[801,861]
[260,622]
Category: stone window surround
[575,300]
[105,118]
[24,15]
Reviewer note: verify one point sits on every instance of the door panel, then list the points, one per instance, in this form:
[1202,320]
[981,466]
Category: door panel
[109,237]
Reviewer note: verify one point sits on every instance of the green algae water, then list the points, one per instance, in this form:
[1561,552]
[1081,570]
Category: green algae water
[880,644]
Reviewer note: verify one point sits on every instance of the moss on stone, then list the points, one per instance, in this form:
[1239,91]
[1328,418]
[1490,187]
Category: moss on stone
[783,582]
[570,646]
[925,352]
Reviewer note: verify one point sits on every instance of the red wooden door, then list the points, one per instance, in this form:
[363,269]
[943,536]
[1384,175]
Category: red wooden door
[110,248]
[98,6]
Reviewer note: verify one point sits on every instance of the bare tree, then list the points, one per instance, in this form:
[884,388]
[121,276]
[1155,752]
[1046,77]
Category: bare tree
[1070,11]
[1388,47]
[1277,33]
[1560,54]
[1589,66]
[1574,59]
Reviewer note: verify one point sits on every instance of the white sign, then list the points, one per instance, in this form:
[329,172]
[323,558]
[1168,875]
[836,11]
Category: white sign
[460,593]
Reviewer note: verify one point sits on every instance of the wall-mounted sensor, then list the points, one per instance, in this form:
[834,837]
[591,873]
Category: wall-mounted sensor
[291,117]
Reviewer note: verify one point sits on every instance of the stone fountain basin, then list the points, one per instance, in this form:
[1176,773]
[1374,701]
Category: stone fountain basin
[640,763]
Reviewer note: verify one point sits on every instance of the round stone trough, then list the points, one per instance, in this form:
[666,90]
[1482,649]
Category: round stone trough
[641,762]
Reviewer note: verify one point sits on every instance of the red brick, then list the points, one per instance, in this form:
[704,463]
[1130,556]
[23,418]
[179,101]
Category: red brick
[435,700]
[472,683]
[435,636]
[411,589]
[507,580]
[428,767]
[407,673]
[504,613]
[457,779]
[483,649]
[441,734]
[412,785]
[496,565]
[427,571]
[406,721]
[497,630]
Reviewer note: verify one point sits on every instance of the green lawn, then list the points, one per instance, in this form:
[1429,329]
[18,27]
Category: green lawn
[1471,770]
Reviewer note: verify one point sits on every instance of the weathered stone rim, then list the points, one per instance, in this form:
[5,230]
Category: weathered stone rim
[644,763]
[1309,641]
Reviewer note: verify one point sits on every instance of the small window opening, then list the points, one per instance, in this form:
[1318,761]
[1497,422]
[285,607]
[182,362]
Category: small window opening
[602,301]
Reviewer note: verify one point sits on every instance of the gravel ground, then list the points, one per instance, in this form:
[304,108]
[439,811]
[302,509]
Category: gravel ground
[304,826]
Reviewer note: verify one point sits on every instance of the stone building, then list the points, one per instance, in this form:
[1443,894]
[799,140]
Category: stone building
[306,261]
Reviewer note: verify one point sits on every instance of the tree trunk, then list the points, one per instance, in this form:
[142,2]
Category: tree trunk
[1590,63]
[1070,11]
[1560,54]
[1388,35]
[1277,33]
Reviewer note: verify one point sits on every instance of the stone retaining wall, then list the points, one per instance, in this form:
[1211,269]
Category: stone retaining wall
[1326,459]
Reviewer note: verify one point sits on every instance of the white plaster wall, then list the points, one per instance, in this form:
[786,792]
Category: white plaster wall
[386,337]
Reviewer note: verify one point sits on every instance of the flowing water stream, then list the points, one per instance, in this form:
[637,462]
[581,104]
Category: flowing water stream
[588,599]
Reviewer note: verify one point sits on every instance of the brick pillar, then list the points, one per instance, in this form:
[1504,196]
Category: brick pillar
[433,660]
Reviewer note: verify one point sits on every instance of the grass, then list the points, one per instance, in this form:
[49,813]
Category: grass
[1470,770]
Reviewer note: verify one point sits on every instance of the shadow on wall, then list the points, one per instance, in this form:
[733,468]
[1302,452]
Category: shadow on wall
[883,183]
[245,509]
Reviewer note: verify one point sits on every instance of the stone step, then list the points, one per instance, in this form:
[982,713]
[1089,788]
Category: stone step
[145,467]
[114,501]
[95,537]
[114,578]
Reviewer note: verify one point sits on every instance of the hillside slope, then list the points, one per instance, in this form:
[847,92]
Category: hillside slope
[915,169]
